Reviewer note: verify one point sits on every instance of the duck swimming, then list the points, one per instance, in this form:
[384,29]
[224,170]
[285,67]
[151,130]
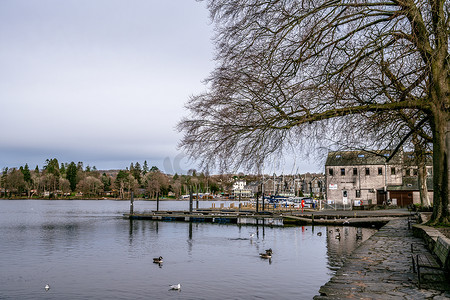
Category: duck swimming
[158,260]
[265,255]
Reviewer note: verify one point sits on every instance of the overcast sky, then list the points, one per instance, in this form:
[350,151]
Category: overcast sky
[103,82]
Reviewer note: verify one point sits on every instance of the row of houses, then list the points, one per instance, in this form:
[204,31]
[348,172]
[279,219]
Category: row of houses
[286,185]
[352,178]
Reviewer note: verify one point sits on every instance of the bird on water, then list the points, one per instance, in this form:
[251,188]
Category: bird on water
[158,260]
[268,254]
[175,286]
[265,255]
[47,287]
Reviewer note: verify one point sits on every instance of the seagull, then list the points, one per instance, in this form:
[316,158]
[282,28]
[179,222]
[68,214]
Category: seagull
[175,286]
[158,260]
[252,234]
[47,287]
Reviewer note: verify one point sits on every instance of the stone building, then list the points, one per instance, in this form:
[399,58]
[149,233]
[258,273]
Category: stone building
[355,178]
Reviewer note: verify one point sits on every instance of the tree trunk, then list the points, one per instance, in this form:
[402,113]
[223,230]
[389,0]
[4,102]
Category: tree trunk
[421,162]
[441,161]
[423,187]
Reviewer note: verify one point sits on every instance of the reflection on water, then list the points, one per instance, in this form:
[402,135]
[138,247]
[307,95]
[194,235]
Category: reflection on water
[86,250]
[341,241]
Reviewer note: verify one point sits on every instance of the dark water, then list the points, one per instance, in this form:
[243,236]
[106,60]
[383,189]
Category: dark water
[86,250]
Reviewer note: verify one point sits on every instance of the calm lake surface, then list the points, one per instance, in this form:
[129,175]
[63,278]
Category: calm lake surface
[85,250]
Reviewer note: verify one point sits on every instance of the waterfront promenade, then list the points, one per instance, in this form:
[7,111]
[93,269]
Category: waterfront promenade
[381,268]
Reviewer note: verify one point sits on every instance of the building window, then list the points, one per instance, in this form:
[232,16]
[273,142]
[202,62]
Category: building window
[344,194]
[367,171]
[342,172]
[380,171]
[415,172]
[330,171]
[355,171]
[392,170]
[429,171]
[358,194]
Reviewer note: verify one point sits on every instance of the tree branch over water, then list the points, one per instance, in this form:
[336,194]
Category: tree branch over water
[287,70]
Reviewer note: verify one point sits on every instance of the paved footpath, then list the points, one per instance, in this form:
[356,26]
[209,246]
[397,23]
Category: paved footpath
[381,268]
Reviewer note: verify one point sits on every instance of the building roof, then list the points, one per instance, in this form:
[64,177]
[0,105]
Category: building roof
[411,184]
[355,158]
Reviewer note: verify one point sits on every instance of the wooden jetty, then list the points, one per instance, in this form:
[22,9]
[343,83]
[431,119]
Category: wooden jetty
[247,214]
[211,216]
[265,218]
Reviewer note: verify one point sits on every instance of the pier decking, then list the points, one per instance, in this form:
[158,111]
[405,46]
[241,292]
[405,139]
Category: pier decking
[273,218]
[211,216]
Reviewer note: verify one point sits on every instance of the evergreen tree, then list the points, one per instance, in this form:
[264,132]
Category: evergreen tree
[62,169]
[71,175]
[145,168]
[4,179]
[52,167]
[106,180]
[136,172]
[26,173]
[137,167]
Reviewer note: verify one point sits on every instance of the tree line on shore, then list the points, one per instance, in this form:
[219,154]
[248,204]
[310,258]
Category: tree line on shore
[72,179]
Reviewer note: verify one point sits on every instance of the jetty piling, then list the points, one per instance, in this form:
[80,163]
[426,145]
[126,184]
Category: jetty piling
[157,202]
[131,204]
[190,199]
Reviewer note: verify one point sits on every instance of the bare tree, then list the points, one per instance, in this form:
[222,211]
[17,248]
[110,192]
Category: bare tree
[90,186]
[64,185]
[289,69]
[15,183]
[155,182]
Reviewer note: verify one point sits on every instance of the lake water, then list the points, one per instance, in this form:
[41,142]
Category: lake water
[85,250]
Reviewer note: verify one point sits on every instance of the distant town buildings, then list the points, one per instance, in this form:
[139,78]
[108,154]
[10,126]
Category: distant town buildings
[285,185]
